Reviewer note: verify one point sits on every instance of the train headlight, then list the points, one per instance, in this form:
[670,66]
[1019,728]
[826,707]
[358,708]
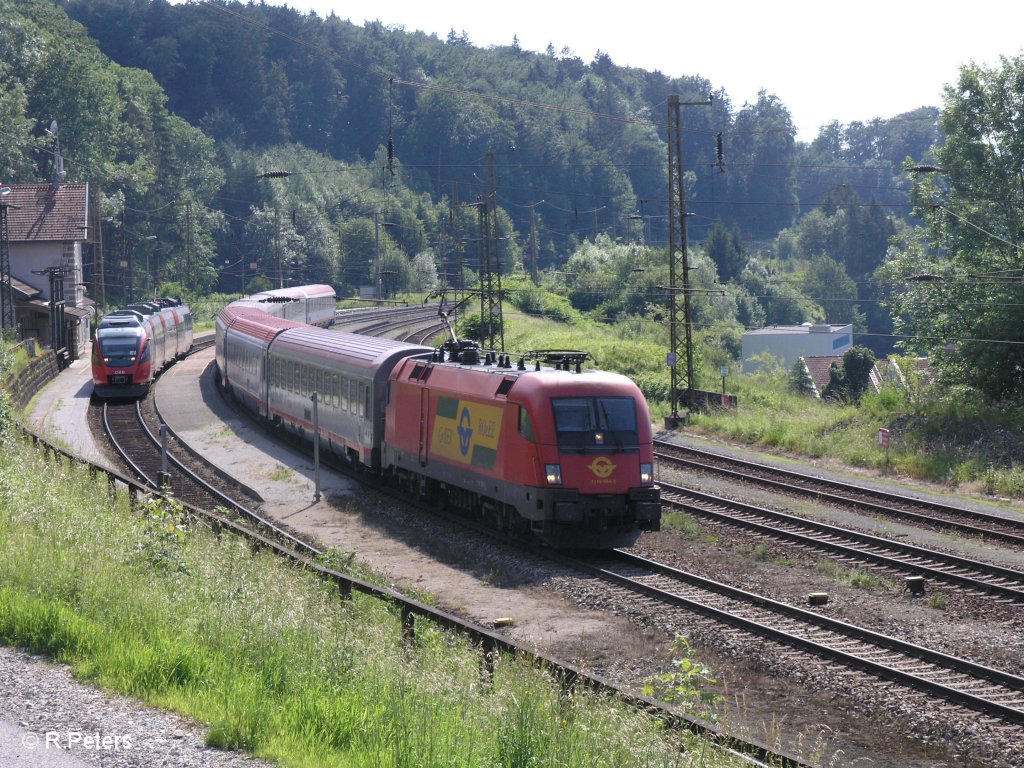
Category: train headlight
[553,474]
[647,473]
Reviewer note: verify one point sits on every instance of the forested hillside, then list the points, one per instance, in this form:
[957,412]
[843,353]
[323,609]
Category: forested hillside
[589,135]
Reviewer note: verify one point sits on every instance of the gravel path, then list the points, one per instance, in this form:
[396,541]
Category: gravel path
[58,715]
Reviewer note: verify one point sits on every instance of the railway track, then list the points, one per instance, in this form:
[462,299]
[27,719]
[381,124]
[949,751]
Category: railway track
[134,433]
[143,453]
[992,692]
[382,324]
[128,427]
[954,519]
[894,556]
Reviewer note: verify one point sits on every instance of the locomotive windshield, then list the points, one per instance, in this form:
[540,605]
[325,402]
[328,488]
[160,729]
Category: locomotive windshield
[595,422]
[119,349]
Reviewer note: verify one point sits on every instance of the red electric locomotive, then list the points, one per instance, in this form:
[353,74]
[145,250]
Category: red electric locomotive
[132,345]
[564,456]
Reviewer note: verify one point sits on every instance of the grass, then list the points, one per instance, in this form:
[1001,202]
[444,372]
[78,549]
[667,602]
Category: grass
[281,474]
[271,658]
[681,522]
[850,577]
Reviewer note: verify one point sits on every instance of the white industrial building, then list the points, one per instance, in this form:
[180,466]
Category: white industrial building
[786,343]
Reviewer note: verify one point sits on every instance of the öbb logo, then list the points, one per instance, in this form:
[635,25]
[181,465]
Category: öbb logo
[465,431]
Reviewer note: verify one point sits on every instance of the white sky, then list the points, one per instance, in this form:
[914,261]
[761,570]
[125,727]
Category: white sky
[824,60]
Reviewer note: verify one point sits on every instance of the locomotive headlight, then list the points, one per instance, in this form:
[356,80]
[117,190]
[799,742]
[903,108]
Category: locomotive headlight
[647,474]
[553,474]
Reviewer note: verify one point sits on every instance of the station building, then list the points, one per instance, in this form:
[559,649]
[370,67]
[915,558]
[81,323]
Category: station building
[47,228]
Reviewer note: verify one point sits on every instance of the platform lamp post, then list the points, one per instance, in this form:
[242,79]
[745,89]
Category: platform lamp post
[6,292]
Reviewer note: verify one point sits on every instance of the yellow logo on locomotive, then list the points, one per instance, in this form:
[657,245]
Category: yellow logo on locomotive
[466,432]
[602,467]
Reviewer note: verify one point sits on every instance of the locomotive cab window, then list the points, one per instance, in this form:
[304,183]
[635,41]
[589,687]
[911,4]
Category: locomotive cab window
[595,422]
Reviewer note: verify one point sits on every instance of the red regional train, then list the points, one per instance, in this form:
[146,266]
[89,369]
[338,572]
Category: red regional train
[131,345]
[565,456]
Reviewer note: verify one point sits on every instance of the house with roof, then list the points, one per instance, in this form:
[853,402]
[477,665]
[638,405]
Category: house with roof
[883,372]
[48,225]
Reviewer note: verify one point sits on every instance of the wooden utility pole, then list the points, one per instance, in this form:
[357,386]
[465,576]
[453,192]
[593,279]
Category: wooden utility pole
[491,297]
[534,273]
[190,266]
[6,287]
[277,246]
[457,240]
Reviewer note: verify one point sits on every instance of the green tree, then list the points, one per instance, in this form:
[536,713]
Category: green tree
[852,380]
[14,163]
[956,285]
[725,247]
[800,380]
[827,283]
[764,139]
[424,272]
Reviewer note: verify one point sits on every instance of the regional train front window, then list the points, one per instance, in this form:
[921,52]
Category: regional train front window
[119,350]
[595,422]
